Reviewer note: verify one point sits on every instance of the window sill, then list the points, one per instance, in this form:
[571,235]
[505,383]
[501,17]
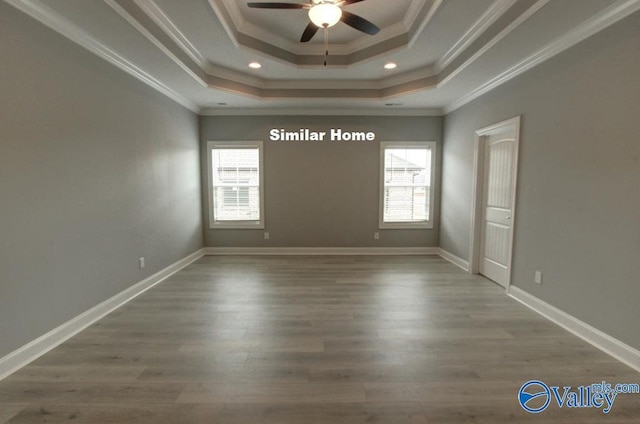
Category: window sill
[237,225]
[406,226]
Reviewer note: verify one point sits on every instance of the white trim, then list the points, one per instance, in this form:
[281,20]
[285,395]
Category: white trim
[497,9]
[216,71]
[476,202]
[409,21]
[614,347]
[457,261]
[292,251]
[478,190]
[43,344]
[413,11]
[359,44]
[218,10]
[501,35]
[157,15]
[125,14]
[63,26]
[273,111]
[608,16]
[259,33]
[258,224]
[231,18]
[595,24]
[429,223]
[407,77]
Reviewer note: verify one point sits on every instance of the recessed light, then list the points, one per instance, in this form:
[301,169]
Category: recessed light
[390,65]
[255,65]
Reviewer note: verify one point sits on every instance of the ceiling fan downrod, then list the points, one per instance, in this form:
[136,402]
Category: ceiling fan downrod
[326,45]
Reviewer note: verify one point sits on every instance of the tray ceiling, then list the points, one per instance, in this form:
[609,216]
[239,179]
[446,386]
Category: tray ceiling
[448,52]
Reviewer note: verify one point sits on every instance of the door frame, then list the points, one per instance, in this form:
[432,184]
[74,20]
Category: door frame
[481,137]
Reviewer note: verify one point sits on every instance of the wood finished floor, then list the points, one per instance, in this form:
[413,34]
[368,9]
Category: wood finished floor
[313,340]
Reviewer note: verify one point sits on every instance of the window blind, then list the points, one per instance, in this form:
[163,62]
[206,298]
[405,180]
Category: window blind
[236,184]
[407,183]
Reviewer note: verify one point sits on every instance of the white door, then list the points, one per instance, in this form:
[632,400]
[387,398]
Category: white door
[498,199]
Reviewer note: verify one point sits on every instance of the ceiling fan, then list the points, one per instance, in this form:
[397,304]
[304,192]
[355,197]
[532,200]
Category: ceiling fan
[323,14]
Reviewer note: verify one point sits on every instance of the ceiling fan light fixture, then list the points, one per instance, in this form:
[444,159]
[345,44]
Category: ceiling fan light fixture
[390,65]
[325,15]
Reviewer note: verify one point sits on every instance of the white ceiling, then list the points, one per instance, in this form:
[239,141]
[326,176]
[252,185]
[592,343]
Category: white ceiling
[448,51]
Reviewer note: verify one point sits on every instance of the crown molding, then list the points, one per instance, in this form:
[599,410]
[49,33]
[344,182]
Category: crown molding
[326,85]
[389,33]
[232,10]
[381,84]
[229,74]
[413,12]
[255,87]
[303,49]
[488,18]
[166,24]
[68,29]
[415,26]
[126,14]
[407,77]
[612,14]
[247,85]
[446,77]
[255,31]
[242,84]
[243,33]
[224,18]
[209,111]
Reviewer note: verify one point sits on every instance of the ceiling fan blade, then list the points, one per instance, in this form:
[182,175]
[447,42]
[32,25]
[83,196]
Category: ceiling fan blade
[274,5]
[359,23]
[348,2]
[309,32]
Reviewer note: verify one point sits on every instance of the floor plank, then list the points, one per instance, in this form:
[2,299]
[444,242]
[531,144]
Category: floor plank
[119,414]
[272,393]
[8,410]
[313,339]
[324,413]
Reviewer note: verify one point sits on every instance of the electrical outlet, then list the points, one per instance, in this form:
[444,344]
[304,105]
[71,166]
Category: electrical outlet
[266,235]
[141,263]
[376,235]
[538,277]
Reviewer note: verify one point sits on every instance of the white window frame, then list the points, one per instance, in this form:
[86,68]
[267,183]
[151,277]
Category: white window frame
[426,224]
[240,224]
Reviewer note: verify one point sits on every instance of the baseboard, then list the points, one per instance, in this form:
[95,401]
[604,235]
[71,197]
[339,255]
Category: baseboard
[290,251]
[459,262]
[31,351]
[617,349]
[287,251]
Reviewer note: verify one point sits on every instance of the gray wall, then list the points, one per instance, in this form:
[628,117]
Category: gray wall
[96,170]
[578,206]
[321,194]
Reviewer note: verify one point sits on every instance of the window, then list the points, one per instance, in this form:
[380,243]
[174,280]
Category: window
[406,184]
[235,185]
